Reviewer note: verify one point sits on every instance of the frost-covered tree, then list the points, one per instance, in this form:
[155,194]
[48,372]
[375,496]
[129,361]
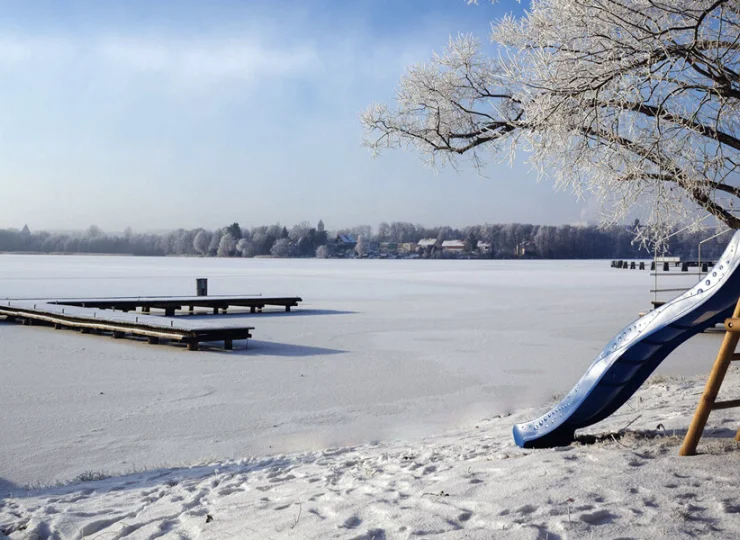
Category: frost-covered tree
[637,101]
[242,246]
[471,242]
[361,246]
[201,242]
[282,248]
[92,232]
[226,245]
[214,242]
[322,252]
[234,230]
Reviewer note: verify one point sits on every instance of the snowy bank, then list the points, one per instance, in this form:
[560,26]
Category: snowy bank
[471,482]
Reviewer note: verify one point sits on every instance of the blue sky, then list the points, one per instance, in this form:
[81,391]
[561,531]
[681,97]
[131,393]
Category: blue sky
[166,114]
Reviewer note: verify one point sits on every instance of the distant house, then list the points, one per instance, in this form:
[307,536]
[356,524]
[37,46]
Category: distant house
[484,247]
[453,246]
[427,243]
[345,241]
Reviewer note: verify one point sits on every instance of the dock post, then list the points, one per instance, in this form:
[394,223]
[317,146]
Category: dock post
[215,311]
[145,309]
[153,340]
[666,267]
[252,309]
[57,326]
[287,308]
[652,266]
[684,267]
[642,266]
[228,344]
[191,309]
[26,322]
[201,287]
[704,267]
[632,265]
[118,335]
[193,346]
[169,312]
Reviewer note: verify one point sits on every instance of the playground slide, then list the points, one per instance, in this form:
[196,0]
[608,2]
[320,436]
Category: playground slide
[629,359]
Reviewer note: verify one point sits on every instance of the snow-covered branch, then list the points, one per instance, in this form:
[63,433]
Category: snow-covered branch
[636,101]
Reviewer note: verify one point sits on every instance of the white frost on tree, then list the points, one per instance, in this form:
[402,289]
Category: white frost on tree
[636,101]
[215,242]
[242,246]
[282,248]
[322,252]
[361,246]
[226,245]
[201,242]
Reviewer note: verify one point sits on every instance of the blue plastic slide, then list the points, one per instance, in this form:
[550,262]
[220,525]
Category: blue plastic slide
[629,359]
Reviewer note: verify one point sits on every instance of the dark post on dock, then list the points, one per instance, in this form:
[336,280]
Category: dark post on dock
[201,287]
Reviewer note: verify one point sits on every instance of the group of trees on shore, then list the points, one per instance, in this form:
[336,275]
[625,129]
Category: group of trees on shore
[506,241]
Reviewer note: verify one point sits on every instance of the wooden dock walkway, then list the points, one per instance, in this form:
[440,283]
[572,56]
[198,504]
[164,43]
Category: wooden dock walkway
[170,304]
[119,316]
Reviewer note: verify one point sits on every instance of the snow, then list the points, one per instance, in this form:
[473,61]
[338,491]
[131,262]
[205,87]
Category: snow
[353,416]
[468,482]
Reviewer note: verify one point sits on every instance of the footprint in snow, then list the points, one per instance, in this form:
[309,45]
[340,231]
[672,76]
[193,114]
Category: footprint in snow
[600,517]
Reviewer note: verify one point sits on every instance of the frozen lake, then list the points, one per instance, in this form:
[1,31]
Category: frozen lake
[378,349]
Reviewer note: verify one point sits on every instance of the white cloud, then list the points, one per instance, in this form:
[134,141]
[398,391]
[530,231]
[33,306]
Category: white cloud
[201,59]
[19,50]
[209,59]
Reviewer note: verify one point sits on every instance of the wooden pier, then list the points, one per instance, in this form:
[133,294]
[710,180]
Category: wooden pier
[171,304]
[120,318]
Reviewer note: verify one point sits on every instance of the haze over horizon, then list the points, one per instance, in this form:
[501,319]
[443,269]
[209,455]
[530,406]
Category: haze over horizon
[168,115]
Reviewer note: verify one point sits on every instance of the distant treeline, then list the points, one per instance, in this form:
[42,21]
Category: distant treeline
[511,240]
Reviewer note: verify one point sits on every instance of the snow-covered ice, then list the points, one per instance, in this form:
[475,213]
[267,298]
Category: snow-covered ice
[391,363]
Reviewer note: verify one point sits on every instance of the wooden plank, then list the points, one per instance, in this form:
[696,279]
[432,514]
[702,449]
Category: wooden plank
[729,404]
[87,319]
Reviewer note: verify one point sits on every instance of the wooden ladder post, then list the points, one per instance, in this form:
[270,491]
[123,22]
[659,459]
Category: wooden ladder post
[707,403]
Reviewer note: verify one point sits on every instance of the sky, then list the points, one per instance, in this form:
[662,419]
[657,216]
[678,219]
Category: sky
[166,114]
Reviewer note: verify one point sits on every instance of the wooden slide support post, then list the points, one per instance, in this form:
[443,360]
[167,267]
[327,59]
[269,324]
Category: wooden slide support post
[153,340]
[708,401]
